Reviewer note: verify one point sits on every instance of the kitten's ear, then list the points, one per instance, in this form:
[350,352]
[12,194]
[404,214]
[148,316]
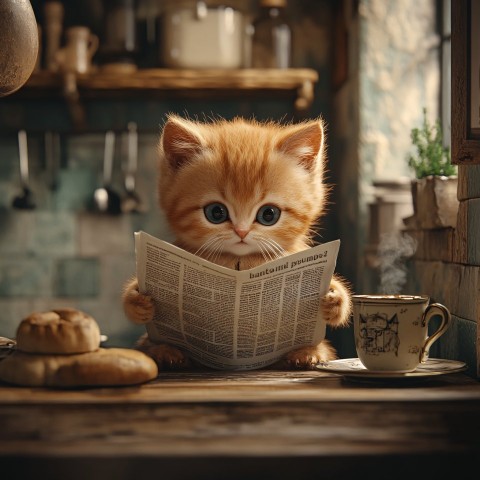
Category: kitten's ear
[181,140]
[305,142]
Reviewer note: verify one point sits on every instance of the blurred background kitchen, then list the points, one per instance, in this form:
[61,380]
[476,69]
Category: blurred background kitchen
[78,141]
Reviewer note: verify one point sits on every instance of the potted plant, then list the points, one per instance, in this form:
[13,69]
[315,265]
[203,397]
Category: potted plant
[434,189]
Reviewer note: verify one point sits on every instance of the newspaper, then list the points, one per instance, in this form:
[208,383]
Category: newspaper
[234,320]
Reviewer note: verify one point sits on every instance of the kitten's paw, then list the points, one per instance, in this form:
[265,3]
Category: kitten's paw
[138,308]
[331,307]
[336,305]
[167,357]
[305,358]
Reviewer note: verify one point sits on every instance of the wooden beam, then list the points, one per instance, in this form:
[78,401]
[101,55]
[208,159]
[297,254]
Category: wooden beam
[468,182]
[467,234]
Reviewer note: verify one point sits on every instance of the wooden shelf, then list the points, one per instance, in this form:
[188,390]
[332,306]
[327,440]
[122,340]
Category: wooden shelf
[75,89]
[297,82]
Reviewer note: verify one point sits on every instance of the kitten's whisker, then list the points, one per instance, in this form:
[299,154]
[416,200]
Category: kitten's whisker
[279,248]
[207,245]
[261,248]
[203,248]
[208,249]
[311,234]
[218,251]
[274,243]
[280,251]
[213,248]
[266,248]
[274,249]
[212,252]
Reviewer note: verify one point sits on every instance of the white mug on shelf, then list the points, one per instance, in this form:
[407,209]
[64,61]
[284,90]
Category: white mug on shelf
[76,56]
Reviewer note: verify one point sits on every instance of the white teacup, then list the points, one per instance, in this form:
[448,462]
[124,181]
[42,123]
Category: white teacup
[391,331]
[79,50]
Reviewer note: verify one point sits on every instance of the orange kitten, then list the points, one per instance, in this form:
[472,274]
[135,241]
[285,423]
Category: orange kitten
[240,193]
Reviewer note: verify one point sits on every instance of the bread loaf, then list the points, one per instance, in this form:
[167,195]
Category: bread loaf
[104,367]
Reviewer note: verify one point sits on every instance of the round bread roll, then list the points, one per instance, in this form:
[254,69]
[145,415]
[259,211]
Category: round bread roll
[65,330]
[104,367]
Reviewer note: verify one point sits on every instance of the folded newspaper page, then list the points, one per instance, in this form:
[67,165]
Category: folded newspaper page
[229,319]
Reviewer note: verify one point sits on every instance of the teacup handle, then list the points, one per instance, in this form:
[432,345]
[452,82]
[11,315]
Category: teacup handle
[93,42]
[431,311]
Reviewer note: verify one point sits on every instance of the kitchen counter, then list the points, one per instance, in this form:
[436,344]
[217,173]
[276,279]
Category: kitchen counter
[209,424]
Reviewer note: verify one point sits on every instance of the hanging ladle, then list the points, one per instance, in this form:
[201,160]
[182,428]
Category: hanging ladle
[23,201]
[52,158]
[132,202]
[105,198]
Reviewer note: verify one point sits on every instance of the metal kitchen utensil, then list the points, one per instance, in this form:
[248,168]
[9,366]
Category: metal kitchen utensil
[132,202]
[24,201]
[105,198]
[52,158]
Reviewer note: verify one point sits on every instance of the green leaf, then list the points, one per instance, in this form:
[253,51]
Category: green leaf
[431,157]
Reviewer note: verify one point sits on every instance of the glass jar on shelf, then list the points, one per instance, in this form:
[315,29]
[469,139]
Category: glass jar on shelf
[119,43]
[271,36]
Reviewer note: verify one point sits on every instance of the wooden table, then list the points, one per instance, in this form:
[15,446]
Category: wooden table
[261,424]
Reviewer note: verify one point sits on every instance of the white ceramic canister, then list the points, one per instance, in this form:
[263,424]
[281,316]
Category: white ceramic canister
[202,34]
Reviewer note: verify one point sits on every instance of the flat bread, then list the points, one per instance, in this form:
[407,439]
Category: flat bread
[104,367]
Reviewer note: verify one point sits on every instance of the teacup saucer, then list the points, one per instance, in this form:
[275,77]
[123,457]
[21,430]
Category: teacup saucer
[353,367]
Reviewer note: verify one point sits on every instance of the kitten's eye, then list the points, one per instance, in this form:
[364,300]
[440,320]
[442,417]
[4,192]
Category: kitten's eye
[216,212]
[268,215]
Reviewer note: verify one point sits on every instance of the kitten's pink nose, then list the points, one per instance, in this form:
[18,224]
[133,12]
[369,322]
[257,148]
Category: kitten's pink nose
[241,232]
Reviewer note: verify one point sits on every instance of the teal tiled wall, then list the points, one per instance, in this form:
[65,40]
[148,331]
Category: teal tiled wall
[77,277]
[62,253]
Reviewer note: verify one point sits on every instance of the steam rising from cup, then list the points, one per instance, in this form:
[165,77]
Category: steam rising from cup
[394,250]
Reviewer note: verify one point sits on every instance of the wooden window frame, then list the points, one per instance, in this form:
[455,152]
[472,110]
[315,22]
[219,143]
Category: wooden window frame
[465,142]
